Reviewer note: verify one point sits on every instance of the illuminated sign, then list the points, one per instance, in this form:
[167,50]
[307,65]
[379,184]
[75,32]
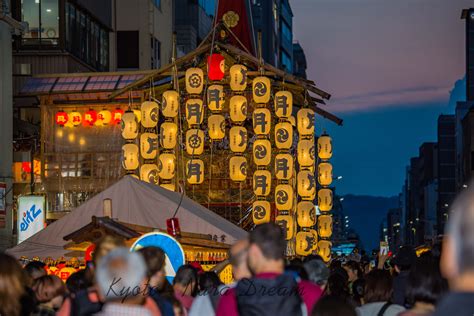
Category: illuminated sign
[30,216]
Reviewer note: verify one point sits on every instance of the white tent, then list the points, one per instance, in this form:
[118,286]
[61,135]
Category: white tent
[134,202]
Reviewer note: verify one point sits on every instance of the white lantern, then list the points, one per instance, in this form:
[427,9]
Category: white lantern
[238,168]
[170,103]
[315,238]
[238,139]
[306,214]
[194,111]
[138,114]
[306,152]
[284,197]
[283,104]
[325,226]
[261,211]
[195,171]
[129,125]
[304,243]
[324,250]
[148,145]
[149,114]
[194,80]
[149,173]
[168,131]
[305,122]
[262,152]
[325,173]
[130,158]
[167,166]
[261,89]
[283,166]
[325,200]
[103,118]
[306,185]
[262,121]
[287,223]
[238,77]
[216,126]
[325,147]
[238,108]
[215,97]
[262,182]
[194,142]
[283,135]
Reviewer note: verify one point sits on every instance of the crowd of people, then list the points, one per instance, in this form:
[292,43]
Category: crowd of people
[120,282]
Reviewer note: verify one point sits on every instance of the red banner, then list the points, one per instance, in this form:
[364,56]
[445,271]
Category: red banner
[235,15]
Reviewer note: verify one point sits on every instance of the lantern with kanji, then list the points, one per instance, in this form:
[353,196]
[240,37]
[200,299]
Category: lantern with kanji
[284,197]
[238,108]
[129,126]
[238,168]
[216,126]
[325,200]
[104,117]
[149,173]
[304,243]
[195,171]
[306,184]
[170,103]
[168,132]
[283,104]
[287,223]
[194,142]
[306,214]
[262,182]
[261,211]
[194,80]
[324,147]
[148,145]
[75,118]
[117,116]
[283,135]
[149,114]
[262,152]
[238,139]
[324,250]
[167,166]
[238,77]
[305,122]
[262,121]
[283,166]
[130,158]
[325,173]
[306,153]
[61,118]
[90,117]
[194,112]
[215,97]
[325,226]
[315,238]
[261,89]
[216,66]
[65,272]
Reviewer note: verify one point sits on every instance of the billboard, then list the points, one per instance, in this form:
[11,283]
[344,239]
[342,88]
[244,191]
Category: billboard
[3,204]
[31,216]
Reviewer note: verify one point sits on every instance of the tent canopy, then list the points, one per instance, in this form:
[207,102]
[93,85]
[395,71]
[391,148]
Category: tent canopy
[133,202]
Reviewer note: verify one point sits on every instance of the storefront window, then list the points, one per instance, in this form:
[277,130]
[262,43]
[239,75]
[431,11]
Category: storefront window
[49,22]
[42,17]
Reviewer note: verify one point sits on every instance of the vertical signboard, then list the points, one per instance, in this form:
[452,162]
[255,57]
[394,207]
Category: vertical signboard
[3,204]
[31,216]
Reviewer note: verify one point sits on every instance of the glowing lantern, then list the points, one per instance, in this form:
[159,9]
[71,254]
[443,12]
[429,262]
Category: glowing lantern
[194,111]
[283,197]
[104,117]
[170,103]
[262,182]
[195,171]
[283,166]
[305,121]
[167,166]
[148,145]
[325,226]
[283,135]
[306,153]
[324,250]
[90,117]
[216,66]
[168,186]
[286,223]
[117,116]
[238,168]
[283,104]
[324,147]
[61,118]
[149,173]
[262,121]
[65,272]
[261,211]
[194,142]
[315,238]
[325,200]
[75,118]
[238,139]
[238,108]
[194,80]
[168,132]
[138,114]
[215,97]
[262,152]
[238,77]
[304,243]
[325,173]
[129,125]
[130,156]
[216,126]
[261,89]
[149,114]
[306,214]
[306,185]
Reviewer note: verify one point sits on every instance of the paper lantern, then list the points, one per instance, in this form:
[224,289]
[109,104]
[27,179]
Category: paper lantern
[195,171]
[194,111]
[262,121]
[149,173]
[315,238]
[238,168]
[149,114]
[238,77]
[324,147]
[61,118]
[304,243]
[262,182]
[129,126]
[215,97]
[283,166]
[168,132]
[168,186]
[286,223]
[238,139]
[305,150]
[194,80]
[325,200]
[283,197]
[104,117]
[90,117]
[148,145]
[325,173]
[65,272]
[261,211]
[306,214]
[215,66]
[305,121]
[167,166]
[216,126]
[283,135]
[306,184]
[324,250]
[261,89]
[116,116]
[283,104]
[138,114]
[170,103]
[325,226]
[130,159]
[75,118]
[238,108]
[194,142]
[262,152]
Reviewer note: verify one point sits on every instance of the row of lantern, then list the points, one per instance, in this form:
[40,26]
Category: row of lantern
[90,117]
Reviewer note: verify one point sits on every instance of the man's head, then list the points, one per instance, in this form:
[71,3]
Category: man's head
[185,281]
[267,247]
[35,270]
[318,272]
[155,261]
[238,255]
[405,258]
[104,246]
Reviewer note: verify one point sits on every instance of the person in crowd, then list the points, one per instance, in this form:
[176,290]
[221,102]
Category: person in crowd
[296,268]
[78,281]
[377,295]
[49,292]
[266,253]
[34,270]
[338,284]
[156,276]
[317,272]
[208,282]
[330,305]
[178,308]
[185,286]
[354,272]
[402,263]
[358,288]
[457,258]
[425,286]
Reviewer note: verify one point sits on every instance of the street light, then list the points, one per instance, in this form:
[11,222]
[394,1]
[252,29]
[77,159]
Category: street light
[341,199]
[464,186]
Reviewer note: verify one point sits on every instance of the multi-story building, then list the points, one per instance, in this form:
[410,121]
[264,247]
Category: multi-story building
[394,231]
[299,61]
[468,16]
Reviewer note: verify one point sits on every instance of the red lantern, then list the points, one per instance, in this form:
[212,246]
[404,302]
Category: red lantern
[26,166]
[117,116]
[61,118]
[90,117]
[216,66]
[89,252]
[172,227]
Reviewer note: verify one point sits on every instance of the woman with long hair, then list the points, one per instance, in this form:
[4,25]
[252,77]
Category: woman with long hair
[13,282]
[49,292]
